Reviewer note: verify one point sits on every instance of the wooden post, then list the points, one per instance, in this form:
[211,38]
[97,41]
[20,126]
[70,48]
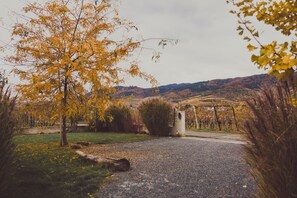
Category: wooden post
[196,120]
[174,112]
[235,120]
[216,117]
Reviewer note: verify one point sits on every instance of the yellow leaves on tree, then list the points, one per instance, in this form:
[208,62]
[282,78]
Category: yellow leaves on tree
[68,50]
[251,47]
[279,58]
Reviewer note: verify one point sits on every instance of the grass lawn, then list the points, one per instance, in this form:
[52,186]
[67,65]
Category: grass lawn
[43,169]
[215,131]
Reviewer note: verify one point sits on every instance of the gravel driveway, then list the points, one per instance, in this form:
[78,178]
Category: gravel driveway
[177,167]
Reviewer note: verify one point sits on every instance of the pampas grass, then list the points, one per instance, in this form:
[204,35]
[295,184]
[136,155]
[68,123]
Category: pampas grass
[6,134]
[271,151]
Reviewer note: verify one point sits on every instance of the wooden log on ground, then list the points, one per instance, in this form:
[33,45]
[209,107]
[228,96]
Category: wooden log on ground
[116,164]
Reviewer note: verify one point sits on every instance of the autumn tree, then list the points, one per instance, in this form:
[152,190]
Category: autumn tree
[278,57]
[71,48]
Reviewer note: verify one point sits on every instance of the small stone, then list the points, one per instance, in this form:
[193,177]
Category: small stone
[121,165]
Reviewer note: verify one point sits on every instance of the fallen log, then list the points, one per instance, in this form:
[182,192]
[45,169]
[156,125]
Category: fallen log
[116,164]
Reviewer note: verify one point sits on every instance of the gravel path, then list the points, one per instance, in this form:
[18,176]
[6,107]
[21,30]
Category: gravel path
[178,167]
[224,136]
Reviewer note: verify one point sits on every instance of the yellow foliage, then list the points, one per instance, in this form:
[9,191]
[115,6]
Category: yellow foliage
[67,49]
[279,58]
[251,47]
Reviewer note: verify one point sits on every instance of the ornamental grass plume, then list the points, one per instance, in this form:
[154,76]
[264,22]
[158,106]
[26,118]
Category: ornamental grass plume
[271,151]
[7,105]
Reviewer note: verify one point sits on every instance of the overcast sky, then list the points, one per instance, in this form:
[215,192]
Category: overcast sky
[209,46]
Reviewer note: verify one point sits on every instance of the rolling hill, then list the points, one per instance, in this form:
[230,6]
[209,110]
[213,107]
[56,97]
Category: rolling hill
[228,90]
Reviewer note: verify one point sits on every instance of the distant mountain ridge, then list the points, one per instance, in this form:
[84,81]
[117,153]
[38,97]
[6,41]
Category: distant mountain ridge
[230,89]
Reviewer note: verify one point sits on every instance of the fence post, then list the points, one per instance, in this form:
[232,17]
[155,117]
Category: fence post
[235,120]
[216,117]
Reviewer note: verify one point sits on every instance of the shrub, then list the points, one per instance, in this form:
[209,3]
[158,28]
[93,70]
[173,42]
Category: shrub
[271,132]
[6,133]
[119,118]
[156,114]
[138,126]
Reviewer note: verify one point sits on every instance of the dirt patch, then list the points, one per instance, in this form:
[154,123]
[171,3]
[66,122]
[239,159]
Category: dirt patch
[40,130]
[117,151]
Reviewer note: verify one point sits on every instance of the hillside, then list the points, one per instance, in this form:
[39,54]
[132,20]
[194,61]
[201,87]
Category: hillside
[231,89]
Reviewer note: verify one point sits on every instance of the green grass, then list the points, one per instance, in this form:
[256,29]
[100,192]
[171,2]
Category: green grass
[215,130]
[44,169]
[96,138]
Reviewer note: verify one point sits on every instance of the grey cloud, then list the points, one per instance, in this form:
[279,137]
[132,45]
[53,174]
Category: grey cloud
[209,45]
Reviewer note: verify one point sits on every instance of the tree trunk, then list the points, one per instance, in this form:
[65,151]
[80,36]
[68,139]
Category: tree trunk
[235,120]
[196,120]
[63,135]
[63,141]
[96,119]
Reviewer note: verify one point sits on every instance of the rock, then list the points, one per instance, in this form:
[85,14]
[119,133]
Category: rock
[121,165]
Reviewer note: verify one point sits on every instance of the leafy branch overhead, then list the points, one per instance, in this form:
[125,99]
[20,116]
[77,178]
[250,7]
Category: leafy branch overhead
[280,58]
